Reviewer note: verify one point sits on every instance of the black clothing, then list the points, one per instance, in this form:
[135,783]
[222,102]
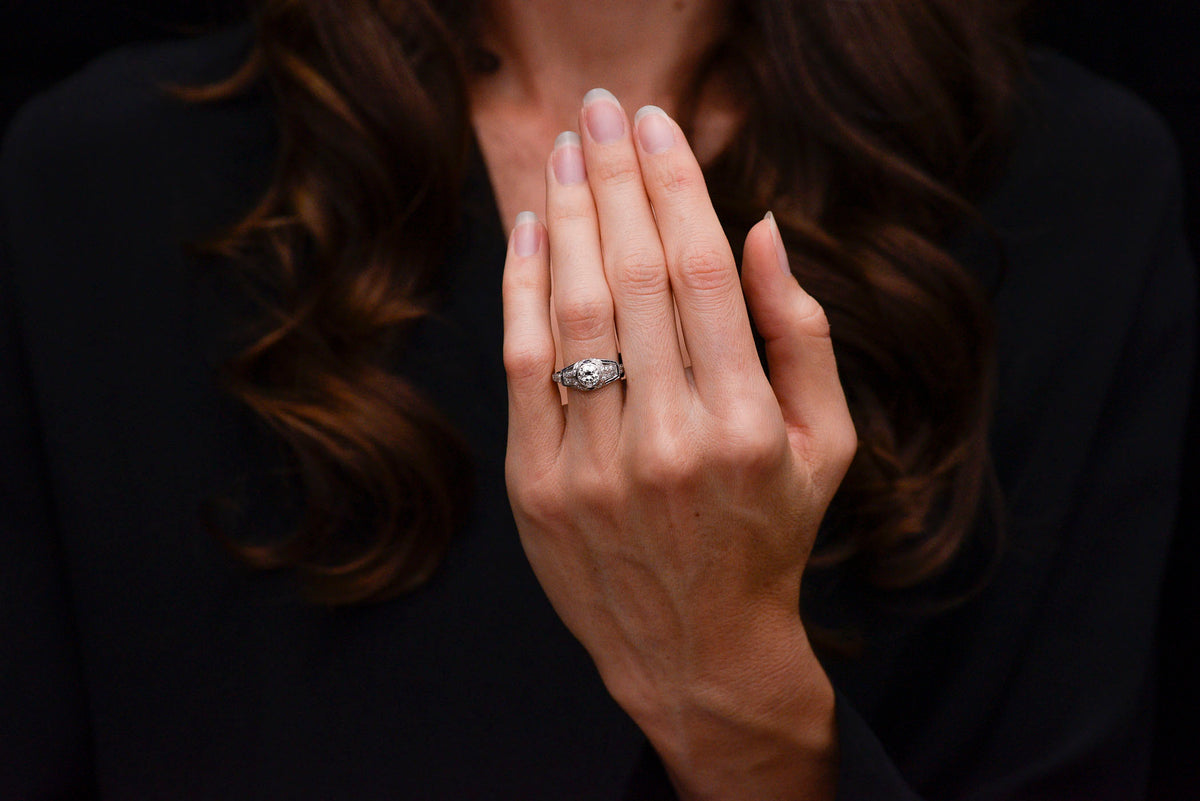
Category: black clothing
[140,661]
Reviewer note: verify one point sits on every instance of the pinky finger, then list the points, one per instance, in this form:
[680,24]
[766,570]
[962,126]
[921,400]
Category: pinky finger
[535,417]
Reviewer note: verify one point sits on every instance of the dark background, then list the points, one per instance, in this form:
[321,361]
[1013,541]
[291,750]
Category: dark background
[1151,46]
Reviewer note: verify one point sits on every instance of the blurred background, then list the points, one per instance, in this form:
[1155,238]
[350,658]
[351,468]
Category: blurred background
[1150,46]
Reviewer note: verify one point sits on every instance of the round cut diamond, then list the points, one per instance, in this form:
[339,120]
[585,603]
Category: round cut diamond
[587,372]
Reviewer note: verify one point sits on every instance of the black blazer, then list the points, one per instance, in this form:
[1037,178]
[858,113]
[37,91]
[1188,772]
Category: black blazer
[139,661]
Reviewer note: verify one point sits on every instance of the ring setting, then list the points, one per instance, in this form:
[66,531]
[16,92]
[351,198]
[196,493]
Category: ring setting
[589,374]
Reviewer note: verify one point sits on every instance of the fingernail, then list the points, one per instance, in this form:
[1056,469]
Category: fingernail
[780,250]
[602,112]
[568,159]
[527,239]
[655,131]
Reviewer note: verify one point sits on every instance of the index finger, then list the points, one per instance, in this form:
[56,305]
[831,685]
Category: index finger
[704,278]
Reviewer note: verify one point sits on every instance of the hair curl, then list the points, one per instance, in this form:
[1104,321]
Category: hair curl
[867,126]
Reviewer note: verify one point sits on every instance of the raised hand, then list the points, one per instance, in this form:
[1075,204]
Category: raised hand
[669,517]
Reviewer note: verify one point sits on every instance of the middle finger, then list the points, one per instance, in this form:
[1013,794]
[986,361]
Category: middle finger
[633,254]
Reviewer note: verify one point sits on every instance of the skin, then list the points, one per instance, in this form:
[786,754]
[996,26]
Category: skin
[669,518]
[553,51]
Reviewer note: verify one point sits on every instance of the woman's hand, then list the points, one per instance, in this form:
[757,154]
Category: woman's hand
[669,518]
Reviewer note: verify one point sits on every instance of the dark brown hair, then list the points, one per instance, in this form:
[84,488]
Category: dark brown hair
[867,126]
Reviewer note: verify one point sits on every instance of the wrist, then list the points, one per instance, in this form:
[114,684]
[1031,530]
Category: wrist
[757,723]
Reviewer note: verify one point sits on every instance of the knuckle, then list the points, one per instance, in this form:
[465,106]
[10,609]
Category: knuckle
[640,272]
[664,462]
[845,444]
[524,359]
[831,458]
[678,179]
[754,443]
[539,498]
[594,487]
[515,283]
[706,267]
[584,317]
[615,172]
[568,209]
[811,319]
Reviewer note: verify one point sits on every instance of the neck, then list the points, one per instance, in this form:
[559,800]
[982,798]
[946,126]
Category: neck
[553,51]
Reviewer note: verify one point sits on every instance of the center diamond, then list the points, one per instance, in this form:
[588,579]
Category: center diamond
[587,372]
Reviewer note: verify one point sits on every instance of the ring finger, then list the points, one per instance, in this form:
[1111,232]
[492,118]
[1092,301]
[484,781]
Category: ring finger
[583,305]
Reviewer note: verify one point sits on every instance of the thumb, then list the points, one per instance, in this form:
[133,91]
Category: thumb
[799,349]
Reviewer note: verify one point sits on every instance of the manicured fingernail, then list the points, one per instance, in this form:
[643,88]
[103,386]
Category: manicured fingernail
[655,131]
[602,112]
[527,237]
[568,159]
[780,250]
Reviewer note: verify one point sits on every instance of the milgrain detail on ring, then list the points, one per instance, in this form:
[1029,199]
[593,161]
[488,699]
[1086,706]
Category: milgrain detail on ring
[589,374]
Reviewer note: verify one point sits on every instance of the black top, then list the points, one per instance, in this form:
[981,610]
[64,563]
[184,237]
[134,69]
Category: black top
[139,661]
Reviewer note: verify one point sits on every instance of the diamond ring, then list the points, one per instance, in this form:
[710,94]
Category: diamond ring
[589,374]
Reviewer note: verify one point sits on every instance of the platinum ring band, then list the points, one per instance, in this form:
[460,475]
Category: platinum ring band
[589,374]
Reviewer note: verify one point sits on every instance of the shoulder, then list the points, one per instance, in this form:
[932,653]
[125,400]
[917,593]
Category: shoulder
[106,181]
[1091,197]
[115,136]
[1088,153]
[120,89]
[1096,268]
[1094,111]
